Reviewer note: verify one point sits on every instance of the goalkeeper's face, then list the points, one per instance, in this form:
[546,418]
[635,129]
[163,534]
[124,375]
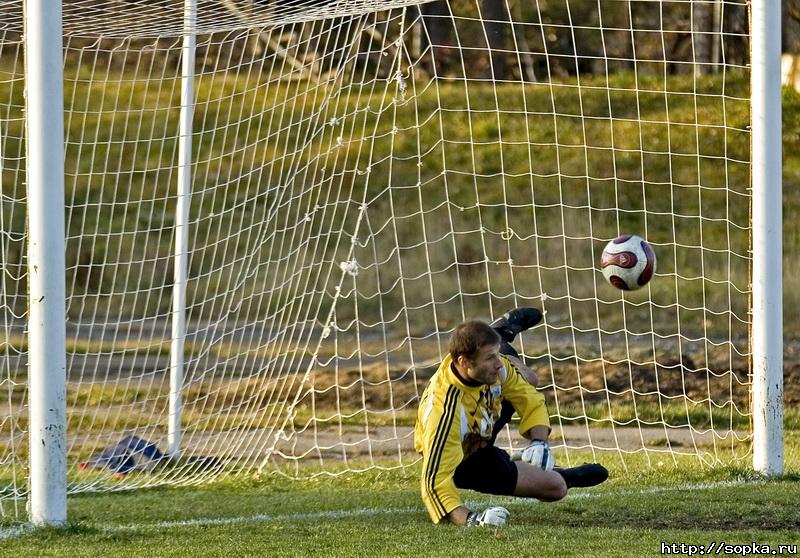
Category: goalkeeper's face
[486,366]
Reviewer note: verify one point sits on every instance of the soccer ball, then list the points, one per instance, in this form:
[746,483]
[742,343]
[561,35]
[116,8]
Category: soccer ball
[628,262]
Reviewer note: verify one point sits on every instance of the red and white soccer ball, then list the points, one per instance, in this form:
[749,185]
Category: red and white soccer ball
[628,262]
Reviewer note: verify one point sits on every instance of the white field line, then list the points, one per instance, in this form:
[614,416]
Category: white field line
[655,490]
[625,493]
[23,529]
[260,518]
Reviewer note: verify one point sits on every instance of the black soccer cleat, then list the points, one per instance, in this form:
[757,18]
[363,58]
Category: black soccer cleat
[583,476]
[516,321]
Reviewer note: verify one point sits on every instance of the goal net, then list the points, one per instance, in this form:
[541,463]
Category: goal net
[364,176]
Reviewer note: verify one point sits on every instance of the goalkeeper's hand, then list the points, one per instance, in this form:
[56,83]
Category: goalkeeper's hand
[496,516]
[538,454]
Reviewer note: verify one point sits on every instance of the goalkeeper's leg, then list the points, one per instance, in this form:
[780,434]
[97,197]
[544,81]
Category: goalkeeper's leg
[512,323]
[490,470]
[506,412]
[533,482]
[509,326]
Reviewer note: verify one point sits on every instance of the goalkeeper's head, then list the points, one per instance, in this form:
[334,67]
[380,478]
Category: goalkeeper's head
[475,350]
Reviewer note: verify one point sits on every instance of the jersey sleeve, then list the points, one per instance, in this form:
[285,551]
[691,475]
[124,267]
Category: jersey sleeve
[441,453]
[527,401]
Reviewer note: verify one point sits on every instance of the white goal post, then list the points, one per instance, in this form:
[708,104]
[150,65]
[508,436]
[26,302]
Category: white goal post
[46,264]
[235,235]
[767,240]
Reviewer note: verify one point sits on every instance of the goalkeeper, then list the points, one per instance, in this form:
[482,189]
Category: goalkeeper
[472,395]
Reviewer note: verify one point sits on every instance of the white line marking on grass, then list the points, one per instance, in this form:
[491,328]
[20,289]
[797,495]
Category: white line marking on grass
[261,518]
[638,492]
[659,489]
[20,530]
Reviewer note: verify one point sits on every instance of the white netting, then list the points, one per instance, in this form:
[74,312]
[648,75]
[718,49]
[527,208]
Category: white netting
[363,181]
[164,18]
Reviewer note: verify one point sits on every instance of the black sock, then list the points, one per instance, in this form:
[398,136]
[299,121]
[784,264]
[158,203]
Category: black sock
[567,474]
[507,349]
[589,474]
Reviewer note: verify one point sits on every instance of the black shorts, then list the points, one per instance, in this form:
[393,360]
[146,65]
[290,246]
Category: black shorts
[488,470]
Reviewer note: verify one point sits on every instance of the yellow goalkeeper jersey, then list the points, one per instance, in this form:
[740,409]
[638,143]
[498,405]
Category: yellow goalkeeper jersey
[455,419]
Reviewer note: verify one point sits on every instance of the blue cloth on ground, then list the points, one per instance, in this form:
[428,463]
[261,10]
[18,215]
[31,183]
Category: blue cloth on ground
[129,454]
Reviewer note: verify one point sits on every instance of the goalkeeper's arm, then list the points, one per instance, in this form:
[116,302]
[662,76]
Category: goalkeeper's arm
[535,423]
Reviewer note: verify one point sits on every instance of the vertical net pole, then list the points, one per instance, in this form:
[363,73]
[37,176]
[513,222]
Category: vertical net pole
[182,228]
[716,44]
[46,263]
[767,333]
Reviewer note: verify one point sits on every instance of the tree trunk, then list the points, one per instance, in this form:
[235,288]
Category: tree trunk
[495,17]
[437,29]
[703,37]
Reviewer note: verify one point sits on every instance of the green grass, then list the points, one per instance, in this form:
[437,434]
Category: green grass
[577,151]
[380,513]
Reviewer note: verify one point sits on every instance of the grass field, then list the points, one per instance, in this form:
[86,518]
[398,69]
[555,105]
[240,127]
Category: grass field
[380,514]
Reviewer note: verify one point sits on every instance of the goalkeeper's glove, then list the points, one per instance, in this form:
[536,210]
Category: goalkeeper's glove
[538,454]
[490,516]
